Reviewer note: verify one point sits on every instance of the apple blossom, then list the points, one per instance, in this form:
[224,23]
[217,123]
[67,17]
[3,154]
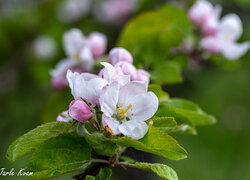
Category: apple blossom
[86,86]
[64,117]
[125,109]
[230,30]
[97,43]
[111,74]
[72,10]
[114,10]
[119,54]
[44,47]
[79,110]
[76,47]
[199,11]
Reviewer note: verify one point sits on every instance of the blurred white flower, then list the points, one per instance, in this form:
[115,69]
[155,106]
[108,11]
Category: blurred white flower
[72,10]
[44,47]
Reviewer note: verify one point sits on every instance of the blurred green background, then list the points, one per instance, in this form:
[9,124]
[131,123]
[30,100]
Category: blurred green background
[218,152]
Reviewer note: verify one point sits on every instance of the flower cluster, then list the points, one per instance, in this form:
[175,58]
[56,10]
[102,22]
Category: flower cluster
[220,35]
[81,52]
[119,92]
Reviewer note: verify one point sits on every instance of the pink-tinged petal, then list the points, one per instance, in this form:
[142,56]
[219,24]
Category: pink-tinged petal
[73,41]
[129,91]
[110,124]
[59,82]
[210,26]
[95,87]
[62,67]
[119,55]
[64,117]
[199,11]
[212,45]
[142,75]
[97,43]
[230,28]
[79,110]
[109,98]
[134,129]
[144,106]
[233,51]
[77,85]
[127,69]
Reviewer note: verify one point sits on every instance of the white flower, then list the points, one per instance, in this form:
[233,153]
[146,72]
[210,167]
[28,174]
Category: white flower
[125,109]
[76,48]
[111,74]
[45,47]
[230,30]
[62,67]
[86,86]
[72,10]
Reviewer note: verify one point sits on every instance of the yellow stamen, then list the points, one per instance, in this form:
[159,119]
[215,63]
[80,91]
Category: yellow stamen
[122,113]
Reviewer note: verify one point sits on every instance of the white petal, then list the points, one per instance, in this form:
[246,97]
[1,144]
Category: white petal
[112,123]
[77,84]
[144,106]
[217,11]
[62,67]
[86,58]
[123,79]
[230,27]
[233,51]
[108,72]
[109,98]
[134,129]
[95,87]
[129,91]
[73,41]
[88,76]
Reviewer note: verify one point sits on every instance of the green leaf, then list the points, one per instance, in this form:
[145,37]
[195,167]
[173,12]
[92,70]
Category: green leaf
[58,103]
[88,177]
[182,129]
[151,35]
[64,153]
[127,159]
[155,142]
[185,112]
[162,95]
[102,145]
[163,123]
[167,73]
[161,170]
[104,174]
[30,141]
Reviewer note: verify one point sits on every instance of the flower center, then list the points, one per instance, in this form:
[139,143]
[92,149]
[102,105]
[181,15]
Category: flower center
[76,56]
[122,111]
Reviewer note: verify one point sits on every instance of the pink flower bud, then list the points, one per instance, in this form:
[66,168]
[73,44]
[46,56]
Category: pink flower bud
[126,69]
[79,110]
[119,54]
[199,11]
[142,75]
[210,26]
[212,45]
[97,43]
[59,83]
